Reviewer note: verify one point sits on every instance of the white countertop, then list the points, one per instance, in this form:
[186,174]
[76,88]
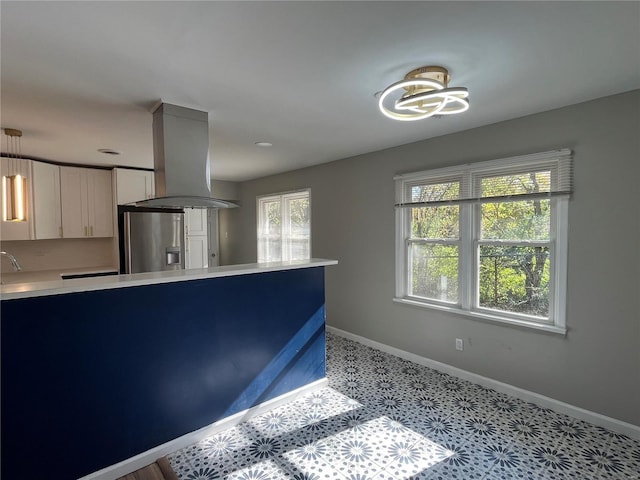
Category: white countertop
[58,287]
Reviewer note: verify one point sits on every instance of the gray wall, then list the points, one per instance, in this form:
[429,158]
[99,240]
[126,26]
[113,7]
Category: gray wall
[597,364]
[224,190]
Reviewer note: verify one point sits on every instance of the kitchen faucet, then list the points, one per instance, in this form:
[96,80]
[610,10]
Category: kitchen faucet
[13,261]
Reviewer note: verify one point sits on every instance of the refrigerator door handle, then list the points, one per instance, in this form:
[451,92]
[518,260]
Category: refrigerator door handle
[127,241]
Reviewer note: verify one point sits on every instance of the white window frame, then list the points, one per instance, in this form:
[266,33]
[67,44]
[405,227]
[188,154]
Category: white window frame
[286,222]
[468,266]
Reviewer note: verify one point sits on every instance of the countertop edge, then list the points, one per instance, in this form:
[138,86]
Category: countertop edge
[60,287]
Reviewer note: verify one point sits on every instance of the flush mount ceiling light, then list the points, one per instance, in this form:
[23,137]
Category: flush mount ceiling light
[423,93]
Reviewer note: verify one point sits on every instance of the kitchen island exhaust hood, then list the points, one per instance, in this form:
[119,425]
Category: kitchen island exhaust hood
[181,160]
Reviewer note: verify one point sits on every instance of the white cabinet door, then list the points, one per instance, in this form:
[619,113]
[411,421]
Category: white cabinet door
[87,202]
[74,204]
[16,229]
[133,185]
[47,218]
[195,221]
[149,184]
[196,251]
[100,203]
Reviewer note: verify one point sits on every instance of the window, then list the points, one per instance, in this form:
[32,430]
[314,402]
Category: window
[284,227]
[487,239]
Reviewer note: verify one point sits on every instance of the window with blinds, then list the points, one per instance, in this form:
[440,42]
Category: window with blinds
[487,239]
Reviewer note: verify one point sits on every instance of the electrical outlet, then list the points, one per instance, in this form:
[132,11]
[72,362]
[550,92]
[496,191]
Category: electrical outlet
[459,344]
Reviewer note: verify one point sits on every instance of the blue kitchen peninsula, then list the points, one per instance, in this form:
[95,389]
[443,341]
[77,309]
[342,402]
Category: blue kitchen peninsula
[96,371]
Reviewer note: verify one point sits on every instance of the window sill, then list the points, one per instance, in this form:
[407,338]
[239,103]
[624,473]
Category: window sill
[483,316]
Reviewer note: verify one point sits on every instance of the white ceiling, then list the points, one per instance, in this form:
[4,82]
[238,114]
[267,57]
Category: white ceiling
[78,76]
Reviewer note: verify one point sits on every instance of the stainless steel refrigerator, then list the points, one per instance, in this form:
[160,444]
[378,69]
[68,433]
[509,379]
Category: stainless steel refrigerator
[151,239]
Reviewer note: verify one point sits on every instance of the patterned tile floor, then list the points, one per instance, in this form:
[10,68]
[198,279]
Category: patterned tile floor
[385,418]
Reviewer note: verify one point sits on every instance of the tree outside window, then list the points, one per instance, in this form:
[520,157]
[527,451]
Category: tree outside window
[514,245]
[487,239]
[284,227]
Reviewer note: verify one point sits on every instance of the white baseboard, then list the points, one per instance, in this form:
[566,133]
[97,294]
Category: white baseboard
[142,460]
[526,395]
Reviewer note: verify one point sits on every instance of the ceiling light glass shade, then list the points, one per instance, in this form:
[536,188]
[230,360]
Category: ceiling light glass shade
[423,93]
[14,199]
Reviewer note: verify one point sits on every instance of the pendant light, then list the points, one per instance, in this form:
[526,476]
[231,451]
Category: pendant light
[14,184]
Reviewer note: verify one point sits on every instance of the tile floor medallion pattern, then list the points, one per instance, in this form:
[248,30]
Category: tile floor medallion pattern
[383,418]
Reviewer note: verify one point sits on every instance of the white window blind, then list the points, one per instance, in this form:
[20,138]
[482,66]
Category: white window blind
[554,179]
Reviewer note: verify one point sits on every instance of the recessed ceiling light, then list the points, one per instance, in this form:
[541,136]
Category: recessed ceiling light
[264,144]
[108,151]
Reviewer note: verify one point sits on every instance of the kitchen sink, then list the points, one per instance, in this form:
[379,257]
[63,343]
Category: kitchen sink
[69,276]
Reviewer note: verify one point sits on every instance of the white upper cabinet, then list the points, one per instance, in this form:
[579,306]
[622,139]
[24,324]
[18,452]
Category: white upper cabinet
[87,202]
[133,185]
[15,199]
[74,202]
[59,202]
[47,217]
[100,197]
